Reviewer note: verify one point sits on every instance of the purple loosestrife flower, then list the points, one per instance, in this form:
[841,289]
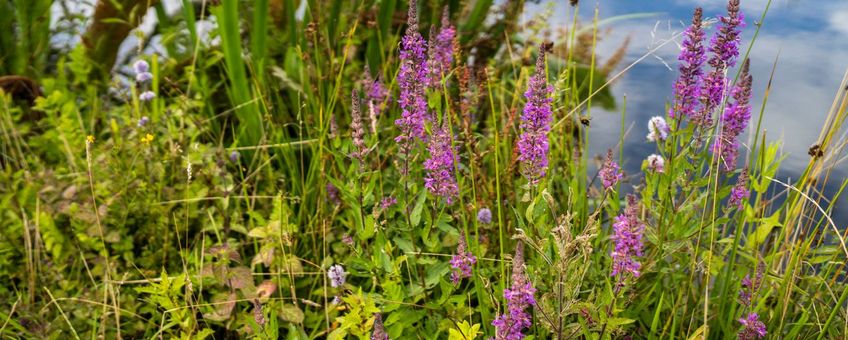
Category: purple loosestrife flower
[739,193]
[658,129]
[441,51]
[610,173]
[357,130]
[462,261]
[412,77]
[688,85]
[750,287]
[379,332]
[337,275]
[440,179]
[374,88]
[376,95]
[627,235]
[725,43]
[484,215]
[734,120]
[535,123]
[752,328]
[656,163]
[519,297]
[724,48]
[146,96]
[387,202]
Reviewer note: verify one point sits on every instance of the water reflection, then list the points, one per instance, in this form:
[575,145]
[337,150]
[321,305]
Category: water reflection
[808,37]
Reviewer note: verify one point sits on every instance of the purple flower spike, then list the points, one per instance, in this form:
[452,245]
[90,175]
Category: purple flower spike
[751,287]
[724,46]
[734,120]
[519,297]
[462,261]
[440,179]
[610,173]
[725,43]
[627,235]
[357,130]
[379,332]
[535,123]
[412,77]
[739,193]
[753,328]
[374,88]
[376,95]
[441,51]
[687,88]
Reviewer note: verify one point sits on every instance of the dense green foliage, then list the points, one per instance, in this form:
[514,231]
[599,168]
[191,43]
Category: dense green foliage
[220,215]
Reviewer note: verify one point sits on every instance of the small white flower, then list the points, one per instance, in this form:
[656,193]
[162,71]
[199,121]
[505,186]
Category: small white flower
[656,163]
[658,129]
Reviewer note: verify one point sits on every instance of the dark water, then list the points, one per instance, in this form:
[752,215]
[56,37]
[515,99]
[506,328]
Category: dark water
[810,37]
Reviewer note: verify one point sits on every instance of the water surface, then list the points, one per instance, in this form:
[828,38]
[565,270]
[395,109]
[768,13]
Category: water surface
[809,39]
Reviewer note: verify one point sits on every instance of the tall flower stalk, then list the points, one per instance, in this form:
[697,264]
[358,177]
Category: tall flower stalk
[357,128]
[739,193]
[627,236]
[734,120]
[441,51]
[687,88]
[519,297]
[440,178]
[535,123]
[412,78]
[462,261]
[724,49]
[610,173]
[376,95]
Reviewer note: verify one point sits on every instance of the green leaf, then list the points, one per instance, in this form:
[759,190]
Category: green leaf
[291,313]
[465,331]
[415,217]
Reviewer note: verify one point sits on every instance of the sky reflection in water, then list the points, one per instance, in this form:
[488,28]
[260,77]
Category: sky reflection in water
[809,37]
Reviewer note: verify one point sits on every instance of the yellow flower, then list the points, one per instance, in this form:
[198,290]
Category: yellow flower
[147,139]
[89,139]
